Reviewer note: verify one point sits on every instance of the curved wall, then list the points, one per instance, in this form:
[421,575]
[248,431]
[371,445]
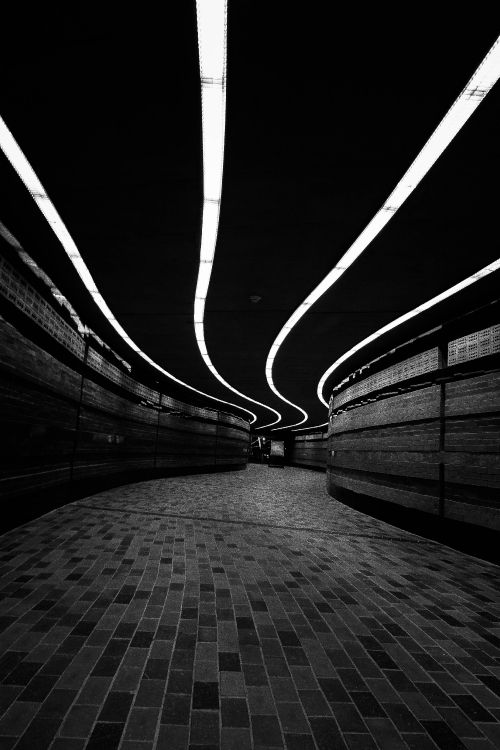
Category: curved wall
[309,451]
[424,433]
[74,418]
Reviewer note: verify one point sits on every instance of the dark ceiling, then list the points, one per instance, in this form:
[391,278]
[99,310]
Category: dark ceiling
[324,115]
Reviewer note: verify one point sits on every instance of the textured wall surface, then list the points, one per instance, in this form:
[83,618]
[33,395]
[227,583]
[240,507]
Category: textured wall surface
[434,448]
[63,423]
[309,452]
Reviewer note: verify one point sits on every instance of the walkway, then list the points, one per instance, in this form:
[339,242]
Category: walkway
[242,610]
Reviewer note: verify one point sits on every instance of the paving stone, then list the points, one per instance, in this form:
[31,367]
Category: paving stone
[142,723]
[292,718]
[348,717]
[79,721]
[173,737]
[242,610]
[204,728]
[105,735]
[299,741]
[232,684]
[261,701]
[206,695]
[17,718]
[176,709]
[234,712]
[229,661]
[266,731]
[150,693]
[64,743]
[236,739]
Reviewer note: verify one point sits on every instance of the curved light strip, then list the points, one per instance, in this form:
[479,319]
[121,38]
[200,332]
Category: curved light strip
[212,38]
[476,89]
[495,266]
[25,171]
[311,427]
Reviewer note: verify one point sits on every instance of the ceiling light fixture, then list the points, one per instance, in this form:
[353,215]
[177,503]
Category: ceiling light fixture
[472,95]
[311,427]
[212,42]
[491,268]
[21,165]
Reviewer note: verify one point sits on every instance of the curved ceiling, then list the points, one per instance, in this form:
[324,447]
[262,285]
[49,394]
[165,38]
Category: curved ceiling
[324,115]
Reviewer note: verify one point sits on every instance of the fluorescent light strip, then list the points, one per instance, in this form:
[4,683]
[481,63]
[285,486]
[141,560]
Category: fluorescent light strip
[476,89]
[491,268]
[311,427]
[212,38]
[25,171]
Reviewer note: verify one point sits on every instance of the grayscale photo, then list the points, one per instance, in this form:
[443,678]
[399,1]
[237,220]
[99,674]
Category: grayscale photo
[249,377]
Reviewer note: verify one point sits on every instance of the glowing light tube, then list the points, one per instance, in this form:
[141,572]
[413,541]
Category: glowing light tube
[25,171]
[476,89]
[212,41]
[491,268]
[311,427]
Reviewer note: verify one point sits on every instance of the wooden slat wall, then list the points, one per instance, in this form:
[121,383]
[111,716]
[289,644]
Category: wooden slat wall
[38,417]
[309,453]
[407,407]
[435,449]
[472,449]
[50,438]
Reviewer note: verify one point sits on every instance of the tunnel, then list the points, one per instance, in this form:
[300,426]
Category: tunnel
[249,378]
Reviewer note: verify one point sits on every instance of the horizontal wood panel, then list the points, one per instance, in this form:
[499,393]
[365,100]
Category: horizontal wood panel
[180,423]
[106,401]
[423,436]
[49,438]
[35,426]
[311,453]
[187,461]
[401,494]
[473,395]
[395,463]
[456,445]
[21,358]
[406,407]
[232,433]
[478,435]
[470,513]
[473,469]
[99,467]
[313,463]
[29,479]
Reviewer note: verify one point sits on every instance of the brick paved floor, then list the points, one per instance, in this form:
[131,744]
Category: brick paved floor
[242,610]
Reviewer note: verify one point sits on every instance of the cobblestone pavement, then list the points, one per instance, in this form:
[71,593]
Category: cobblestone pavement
[242,610]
